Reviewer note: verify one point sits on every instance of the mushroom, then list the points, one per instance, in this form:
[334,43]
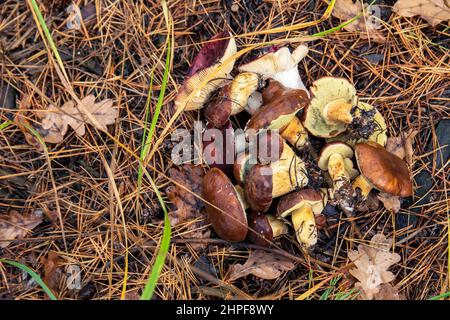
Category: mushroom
[266,182]
[332,158]
[262,229]
[328,114]
[280,65]
[219,147]
[303,206]
[207,62]
[279,112]
[224,206]
[267,147]
[368,125]
[232,98]
[381,170]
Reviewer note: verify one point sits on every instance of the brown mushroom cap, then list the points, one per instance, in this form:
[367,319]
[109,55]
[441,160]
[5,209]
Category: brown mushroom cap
[273,91]
[258,188]
[279,112]
[218,110]
[324,91]
[332,148]
[230,222]
[259,229]
[384,170]
[295,200]
[269,146]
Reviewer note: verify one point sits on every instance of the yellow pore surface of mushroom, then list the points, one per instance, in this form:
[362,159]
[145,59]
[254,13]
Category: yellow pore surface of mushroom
[288,173]
[333,93]
[278,226]
[363,184]
[295,133]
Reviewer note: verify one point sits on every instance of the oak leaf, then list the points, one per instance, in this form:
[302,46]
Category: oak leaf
[390,202]
[367,26]
[402,145]
[372,263]
[433,11]
[57,120]
[52,270]
[15,225]
[264,265]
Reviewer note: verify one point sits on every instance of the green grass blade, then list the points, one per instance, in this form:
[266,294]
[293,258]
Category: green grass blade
[33,274]
[5,124]
[441,296]
[48,35]
[150,286]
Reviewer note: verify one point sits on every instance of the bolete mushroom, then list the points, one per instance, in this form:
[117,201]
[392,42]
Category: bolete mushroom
[263,229]
[381,170]
[280,65]
[207,62]
[303,205]
[332,158]
[231,99]
[265,148]
[328,114]
[266,182]
[368,125]
[224,206]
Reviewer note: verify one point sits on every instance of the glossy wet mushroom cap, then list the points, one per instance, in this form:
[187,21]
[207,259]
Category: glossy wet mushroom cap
[278,113]
[259,229]
[258,188]
[384,170]
[224,208]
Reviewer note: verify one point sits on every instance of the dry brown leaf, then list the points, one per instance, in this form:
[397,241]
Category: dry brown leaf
[52,270]
[264,265]
[402,145]
[15,225]
[187,206]
[22,121]
[388,292]
[372,263]
[57,120]
[390,202]
[367,26]
[433,11]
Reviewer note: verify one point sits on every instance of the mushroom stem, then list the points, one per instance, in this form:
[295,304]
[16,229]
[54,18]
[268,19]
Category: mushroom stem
[337,171]
[338,111]
[278,227]
[290,79]
[295,133]
[288,173]
[305,226]
[363,184]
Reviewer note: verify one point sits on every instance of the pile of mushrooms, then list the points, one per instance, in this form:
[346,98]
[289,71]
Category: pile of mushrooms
[258,198]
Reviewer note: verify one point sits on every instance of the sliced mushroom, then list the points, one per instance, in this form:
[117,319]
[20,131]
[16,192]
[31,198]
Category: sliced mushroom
[332,158]
[262,229]
[303,206]
[381,170]
[266,182]
[231,99]
[224,206]
[207,62]
[280,65]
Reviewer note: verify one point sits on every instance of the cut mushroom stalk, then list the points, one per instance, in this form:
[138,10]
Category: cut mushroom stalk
[303,206]
[338,110]
[265,182]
